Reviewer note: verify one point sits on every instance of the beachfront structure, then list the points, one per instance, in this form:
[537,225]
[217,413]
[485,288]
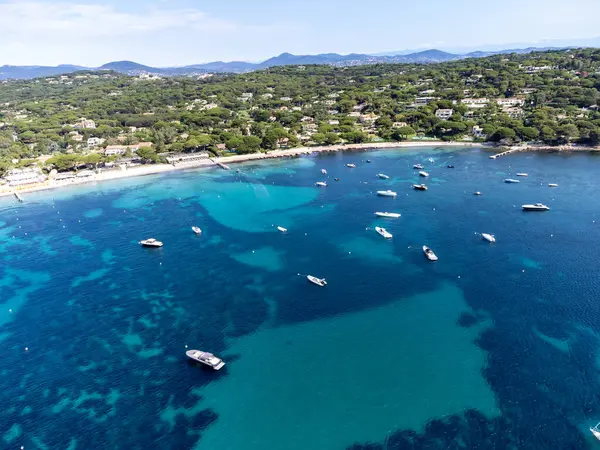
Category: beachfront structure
[444,114]
[475,102]
[190,158]
[24,177]
[112,150]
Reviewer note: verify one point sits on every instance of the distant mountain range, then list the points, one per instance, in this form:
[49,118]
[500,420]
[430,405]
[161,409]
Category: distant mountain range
[285,59]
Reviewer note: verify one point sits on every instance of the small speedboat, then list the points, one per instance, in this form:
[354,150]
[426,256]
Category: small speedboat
[431,160]
[336,179]
[383,232]
[206,358]
[323,171]
[420,187]
[418,166]
[197,230]
[535,207]
[429,254]
[318,281]
[321,183]
[522,174]
[595,431]
[151,243]
[387,193]
[383,176]
[369,161]
[450,166]
[488,237]
[423,173]
[352,166]
[388,215]
[552,185]
[511,180]
[283,230]
[477,193]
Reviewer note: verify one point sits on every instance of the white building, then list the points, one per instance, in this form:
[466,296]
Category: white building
[112,150]
[23,177]
[475,102]
[191,158]
[444,114]
[84,123]
[422,101]
[94,142]
[510,102]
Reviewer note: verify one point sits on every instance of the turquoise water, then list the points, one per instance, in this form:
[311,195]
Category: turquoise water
[494,346]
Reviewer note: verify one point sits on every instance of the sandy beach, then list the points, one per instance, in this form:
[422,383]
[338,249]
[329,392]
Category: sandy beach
[152,169]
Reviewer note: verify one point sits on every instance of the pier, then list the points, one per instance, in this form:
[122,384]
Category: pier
[508,152]
[18,196]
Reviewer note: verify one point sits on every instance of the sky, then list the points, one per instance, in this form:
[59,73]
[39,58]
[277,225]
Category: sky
[164,33]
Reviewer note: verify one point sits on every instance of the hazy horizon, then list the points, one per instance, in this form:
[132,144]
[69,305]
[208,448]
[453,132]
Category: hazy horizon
[181,32]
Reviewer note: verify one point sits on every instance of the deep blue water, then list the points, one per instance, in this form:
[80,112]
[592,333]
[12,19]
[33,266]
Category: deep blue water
[495,346]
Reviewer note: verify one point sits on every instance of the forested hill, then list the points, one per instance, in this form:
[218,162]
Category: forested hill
[549,97]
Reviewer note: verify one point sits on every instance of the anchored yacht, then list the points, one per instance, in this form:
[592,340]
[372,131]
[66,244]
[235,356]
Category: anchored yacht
[205,358]
[151,243]
[383,176]
[197,230]
[488,237]
[387,193]
[388,215]
[429,254]
[420,187]
[318,281]
[383,232]
[535,207]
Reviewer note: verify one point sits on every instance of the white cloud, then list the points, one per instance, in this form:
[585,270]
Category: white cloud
[87,20]
[47,33]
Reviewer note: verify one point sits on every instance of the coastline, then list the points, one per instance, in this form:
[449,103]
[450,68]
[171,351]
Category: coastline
[154,169]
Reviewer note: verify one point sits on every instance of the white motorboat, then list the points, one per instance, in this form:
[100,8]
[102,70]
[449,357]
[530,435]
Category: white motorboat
[477,193]
[387,193]
[321,183]
[388,215]
[352,166]
[511,180]
[488,237]
[423,173]
[318,281]
[420,187]
[429,254]
[283,230]
[418,166]
[383,176]
[536,207]
[595,431]
[552,185]
[151,243]
[197,230]
[323,171]
[206,358]
[431,160]
[383,232]
[522,174]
